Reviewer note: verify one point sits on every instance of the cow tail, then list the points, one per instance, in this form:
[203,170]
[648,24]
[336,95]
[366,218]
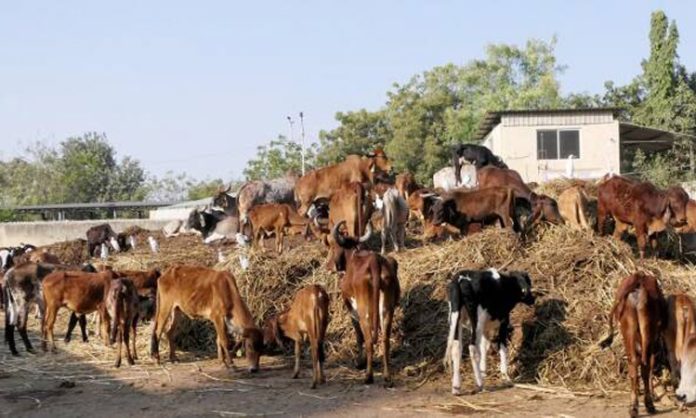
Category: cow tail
[606,342]
[359,192]
[318,328]
[375,270]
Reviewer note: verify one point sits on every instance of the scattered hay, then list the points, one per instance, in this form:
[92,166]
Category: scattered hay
[69,252]
[555,187]
[554,343]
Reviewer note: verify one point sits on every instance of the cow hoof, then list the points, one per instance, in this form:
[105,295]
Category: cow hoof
[369,380]
[361,363]
[117,364]
[633,412]
[66,340]
[15,354]
[131,362]
[456,391]
[314,385]
[296,375]
[650,408]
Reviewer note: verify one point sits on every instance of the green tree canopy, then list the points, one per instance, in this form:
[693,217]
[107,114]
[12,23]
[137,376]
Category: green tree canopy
[277,158]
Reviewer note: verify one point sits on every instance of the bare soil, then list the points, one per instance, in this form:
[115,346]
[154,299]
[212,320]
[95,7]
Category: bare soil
[79,380]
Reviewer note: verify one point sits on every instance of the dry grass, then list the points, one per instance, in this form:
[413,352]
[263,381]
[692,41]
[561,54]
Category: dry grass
[555,342]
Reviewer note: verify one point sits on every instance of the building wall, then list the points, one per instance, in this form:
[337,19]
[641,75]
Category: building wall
[515,141]
[43,233]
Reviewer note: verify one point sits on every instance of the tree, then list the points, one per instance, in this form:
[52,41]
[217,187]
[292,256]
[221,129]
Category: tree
[359,132]
[204,188]
[277,158]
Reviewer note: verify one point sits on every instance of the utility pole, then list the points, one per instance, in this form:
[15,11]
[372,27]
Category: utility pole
[303,142]
[290,122]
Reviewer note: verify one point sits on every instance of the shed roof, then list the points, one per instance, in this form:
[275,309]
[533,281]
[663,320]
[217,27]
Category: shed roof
[492,118]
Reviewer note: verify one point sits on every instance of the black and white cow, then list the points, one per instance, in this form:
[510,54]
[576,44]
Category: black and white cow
[478,155]
[483,299]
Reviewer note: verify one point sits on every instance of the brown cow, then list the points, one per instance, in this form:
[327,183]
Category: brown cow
[681,322]
[122,306]
[81,292]
[350,204]
[459,208]
[640,310]
[307,317]
[690,218]
[43,256]
[573,206]
[200,292]
[252,193]
[370,290]
[642,205]
[490,176]
[406,184]
[274,218]
[324,182]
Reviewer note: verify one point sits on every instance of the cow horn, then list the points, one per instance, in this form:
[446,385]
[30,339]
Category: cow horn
[340,240]
[367,235]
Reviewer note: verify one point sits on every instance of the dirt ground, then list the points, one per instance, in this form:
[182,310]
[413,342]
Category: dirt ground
[80,381]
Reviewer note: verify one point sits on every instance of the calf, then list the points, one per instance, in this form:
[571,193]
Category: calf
[395,215]
[573,206]
[483,300]
[681,322]
[122,306]
[307,318]
[370,290]
[640,310]
[98,235]
[459,208]
[81,292]
[274,218]
[199,292]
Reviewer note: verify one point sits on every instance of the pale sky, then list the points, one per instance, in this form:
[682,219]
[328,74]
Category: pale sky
[197,86]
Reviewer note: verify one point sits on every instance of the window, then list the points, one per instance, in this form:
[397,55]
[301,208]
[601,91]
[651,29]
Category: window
[558,144]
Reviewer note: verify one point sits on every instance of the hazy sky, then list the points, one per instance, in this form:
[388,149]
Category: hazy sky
[196,86]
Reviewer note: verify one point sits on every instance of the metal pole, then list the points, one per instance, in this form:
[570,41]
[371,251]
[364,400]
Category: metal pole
[290,122]
[303,142]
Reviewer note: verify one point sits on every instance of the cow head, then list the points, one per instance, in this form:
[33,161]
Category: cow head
[341,244]
[444,211]
[272,332]
[525,286]
[677,199]
[115,296]
[545,208]
[253,347]
[379,161]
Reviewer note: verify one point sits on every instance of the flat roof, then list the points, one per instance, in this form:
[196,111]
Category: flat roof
[645,137]
[492,118]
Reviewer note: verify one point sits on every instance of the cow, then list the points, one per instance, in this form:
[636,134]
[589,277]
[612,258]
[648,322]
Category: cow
[460,208]
[122,307]
[205,293]
[350,204]
[640,309]
[257,192]
[43,256]
[223,199]
[176,227]
[686,392]
[324,182]
[478,155]
[446,178]
[641,205]
[274,218]
[370,291]
[213,225]
[690,226]
[573,207]
[406,184]
[680,323]
[395,213]
[22,288]
[98,235]
[306,318]
[80,292]
[483,300]
[544,208]
[420,204]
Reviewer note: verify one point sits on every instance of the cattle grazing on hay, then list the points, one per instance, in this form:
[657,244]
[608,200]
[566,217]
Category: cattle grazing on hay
[483,300]
[574,207]
[324,182]
[256,192]
[460,208]
[370,290]
[306,318]
[199,292]
[101,234]
[478,155]
[639,308]
[641,205]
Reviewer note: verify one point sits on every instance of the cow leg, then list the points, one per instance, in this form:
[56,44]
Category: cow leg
[298,354]
[619,229]
[280,237]
[503,351]
[22,329]
[82,320]
[171,332]
[134,327]
[642,237]
[222,341]
[119,349]
[360,363]
[629,331]
[474,354]
[401,238]
[9,329]
[601,217]
[125,329]
[315,346]
[457,332]
[646,374]
[71,326]
[50,321]
[483,342]
[383,236]
[105,324]
[369,349]
[161,318]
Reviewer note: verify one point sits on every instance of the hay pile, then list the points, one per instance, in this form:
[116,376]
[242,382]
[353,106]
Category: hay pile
[555,342]
[555,187]
[72,252]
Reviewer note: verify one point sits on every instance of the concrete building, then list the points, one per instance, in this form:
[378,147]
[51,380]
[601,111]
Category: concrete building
[583,143]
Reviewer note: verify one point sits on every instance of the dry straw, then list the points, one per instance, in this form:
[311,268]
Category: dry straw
[555,342]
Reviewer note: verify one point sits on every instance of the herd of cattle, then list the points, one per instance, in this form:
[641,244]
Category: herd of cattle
[341,205]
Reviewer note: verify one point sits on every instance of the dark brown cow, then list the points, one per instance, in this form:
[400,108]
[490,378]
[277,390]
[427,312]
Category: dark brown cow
[459,208]
[122,306]
[307,317]
[324,182]
[200,292]
[370,290]
[640,310]
[274,218]
[81,292]
[98,235]
[641,205]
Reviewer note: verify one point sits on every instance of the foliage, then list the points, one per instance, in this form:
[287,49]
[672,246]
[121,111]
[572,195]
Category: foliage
[359,132]
[278,158]
[203,188]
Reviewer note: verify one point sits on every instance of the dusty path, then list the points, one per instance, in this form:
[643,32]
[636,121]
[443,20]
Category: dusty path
[79,381]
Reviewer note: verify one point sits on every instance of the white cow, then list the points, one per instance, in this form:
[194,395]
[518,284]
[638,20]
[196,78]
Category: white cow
[446,180]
